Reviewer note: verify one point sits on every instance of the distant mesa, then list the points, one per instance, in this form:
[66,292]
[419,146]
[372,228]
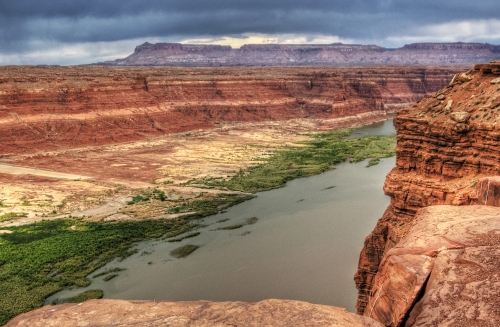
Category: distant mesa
[335,54]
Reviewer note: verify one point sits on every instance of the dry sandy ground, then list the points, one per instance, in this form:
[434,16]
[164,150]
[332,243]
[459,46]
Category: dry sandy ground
[97,182]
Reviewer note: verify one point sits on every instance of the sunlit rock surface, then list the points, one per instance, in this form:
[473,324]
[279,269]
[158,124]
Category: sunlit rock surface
[193,314]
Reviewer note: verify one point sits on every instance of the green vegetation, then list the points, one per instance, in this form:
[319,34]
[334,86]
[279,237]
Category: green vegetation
[203,208]
[373,162]
[2,205]
[183,251]
[110,271]
[314,157]
[84,296]
[248,221]
[156,194]
[12,216]
[183,238]
[231,227]
[109,277]
[40,259]
[251,221]
[137,199]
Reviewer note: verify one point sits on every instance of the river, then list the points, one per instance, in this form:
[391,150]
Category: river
[304,246]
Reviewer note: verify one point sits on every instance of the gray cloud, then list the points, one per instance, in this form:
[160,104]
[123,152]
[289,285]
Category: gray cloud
[26,25]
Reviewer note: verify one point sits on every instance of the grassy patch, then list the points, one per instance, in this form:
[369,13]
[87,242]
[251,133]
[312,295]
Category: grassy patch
[137,199]
[84,296]
[40,259]
[373,162]
[110,271]
[12,216]
[183,238]
[147,195]
[209,207]
[231,227]
[183,251]
[109,277]
[248,221]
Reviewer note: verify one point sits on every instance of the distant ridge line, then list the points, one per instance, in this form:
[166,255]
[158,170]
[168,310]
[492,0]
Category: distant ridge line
[335,54]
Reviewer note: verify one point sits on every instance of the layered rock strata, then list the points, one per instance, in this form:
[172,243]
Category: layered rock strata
[336,54]
[193,314]
[447,145]
[48,108]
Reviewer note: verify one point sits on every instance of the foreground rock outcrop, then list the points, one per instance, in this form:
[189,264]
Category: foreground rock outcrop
[336,54]
[444,271]
[448,152]
[48,108]
[193,314]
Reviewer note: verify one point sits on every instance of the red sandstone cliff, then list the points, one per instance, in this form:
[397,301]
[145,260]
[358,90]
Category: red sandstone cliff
[53,107]
[336,54]
[447,144]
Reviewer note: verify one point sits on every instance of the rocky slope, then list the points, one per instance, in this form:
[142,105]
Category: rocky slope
[336,54]
[447,145]
[192,314]
[48,108]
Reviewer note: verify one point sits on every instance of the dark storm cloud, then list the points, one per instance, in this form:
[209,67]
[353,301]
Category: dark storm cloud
[26,23]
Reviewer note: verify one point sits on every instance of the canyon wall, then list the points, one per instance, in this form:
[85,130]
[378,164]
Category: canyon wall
[336,54]
[417,265]
[46,108]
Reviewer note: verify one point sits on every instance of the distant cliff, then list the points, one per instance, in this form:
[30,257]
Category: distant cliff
[53,107]
[336,54]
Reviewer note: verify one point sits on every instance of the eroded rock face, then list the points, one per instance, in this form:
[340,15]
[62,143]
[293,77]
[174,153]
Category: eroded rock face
[446,144]
[193,314]
[443,272]
[488,191]
[46,108]
[336,54]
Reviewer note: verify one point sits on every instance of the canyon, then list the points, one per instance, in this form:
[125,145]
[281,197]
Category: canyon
[117,130]
[432,258]
[336,54]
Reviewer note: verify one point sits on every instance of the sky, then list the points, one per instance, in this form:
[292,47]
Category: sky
[68,32]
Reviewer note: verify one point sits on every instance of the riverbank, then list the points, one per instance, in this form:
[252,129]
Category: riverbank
[42,258]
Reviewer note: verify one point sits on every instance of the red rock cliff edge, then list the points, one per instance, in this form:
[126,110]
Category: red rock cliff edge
[448,153]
